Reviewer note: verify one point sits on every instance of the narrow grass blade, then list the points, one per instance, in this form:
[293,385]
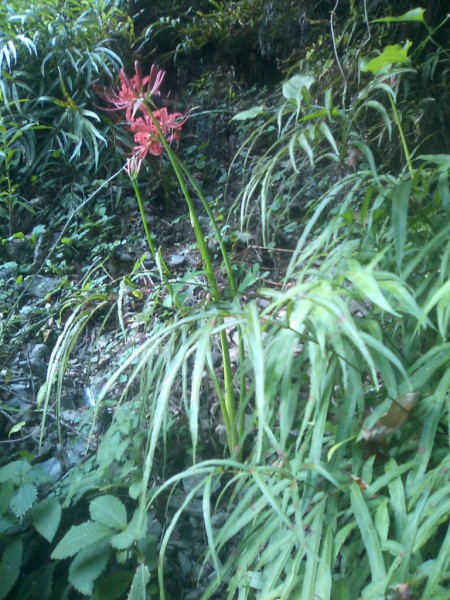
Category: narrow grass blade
[368,534]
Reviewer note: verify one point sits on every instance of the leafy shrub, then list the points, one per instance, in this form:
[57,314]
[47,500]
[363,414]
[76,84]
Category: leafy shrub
[51,54]
[332,386]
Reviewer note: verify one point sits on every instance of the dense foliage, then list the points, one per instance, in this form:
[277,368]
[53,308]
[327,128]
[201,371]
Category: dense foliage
[259,406]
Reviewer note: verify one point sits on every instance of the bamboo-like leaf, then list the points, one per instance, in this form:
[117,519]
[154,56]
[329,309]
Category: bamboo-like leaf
[207,520]
[326,131]
[312,555]
[169,532]
[398,502]
[197,378]
[368,534]
[270,495]
[431,423]
[400,202]
[438,574]
[383,113]
[415,14]
[305,145]
[257,355]
[368,287]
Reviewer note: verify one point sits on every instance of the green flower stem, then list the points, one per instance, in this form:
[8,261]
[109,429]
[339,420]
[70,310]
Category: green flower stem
[403,138]
[150,241]
[225,255]
[159,260]
[180,172]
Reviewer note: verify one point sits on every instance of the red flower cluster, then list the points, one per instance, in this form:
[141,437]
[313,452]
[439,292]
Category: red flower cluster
[135,96]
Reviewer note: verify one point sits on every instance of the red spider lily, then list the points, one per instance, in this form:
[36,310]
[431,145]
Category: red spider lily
[135,91]
[147,136]
[134,95]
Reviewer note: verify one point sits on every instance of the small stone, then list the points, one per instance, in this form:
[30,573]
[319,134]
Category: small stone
[177,260]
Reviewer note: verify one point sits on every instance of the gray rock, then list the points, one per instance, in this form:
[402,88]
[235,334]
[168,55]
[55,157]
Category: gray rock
[177,260]
[53,467]
[40,285]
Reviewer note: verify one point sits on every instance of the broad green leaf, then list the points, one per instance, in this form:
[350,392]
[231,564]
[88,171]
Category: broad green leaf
[251,113]
[416,14]
[10,566]
[112,586]
[38,585]
[108,510]
[391,55]
[18,426]
[46,517]
[23,499]
[87,566]
[139,585]
[80,537]
[293,89]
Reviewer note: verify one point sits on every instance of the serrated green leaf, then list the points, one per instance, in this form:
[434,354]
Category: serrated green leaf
[23,499]
[124,539]
[80,537]
[109,511]
[87,566]
[10,566]
[15,470]
[138,587]
[46,517]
